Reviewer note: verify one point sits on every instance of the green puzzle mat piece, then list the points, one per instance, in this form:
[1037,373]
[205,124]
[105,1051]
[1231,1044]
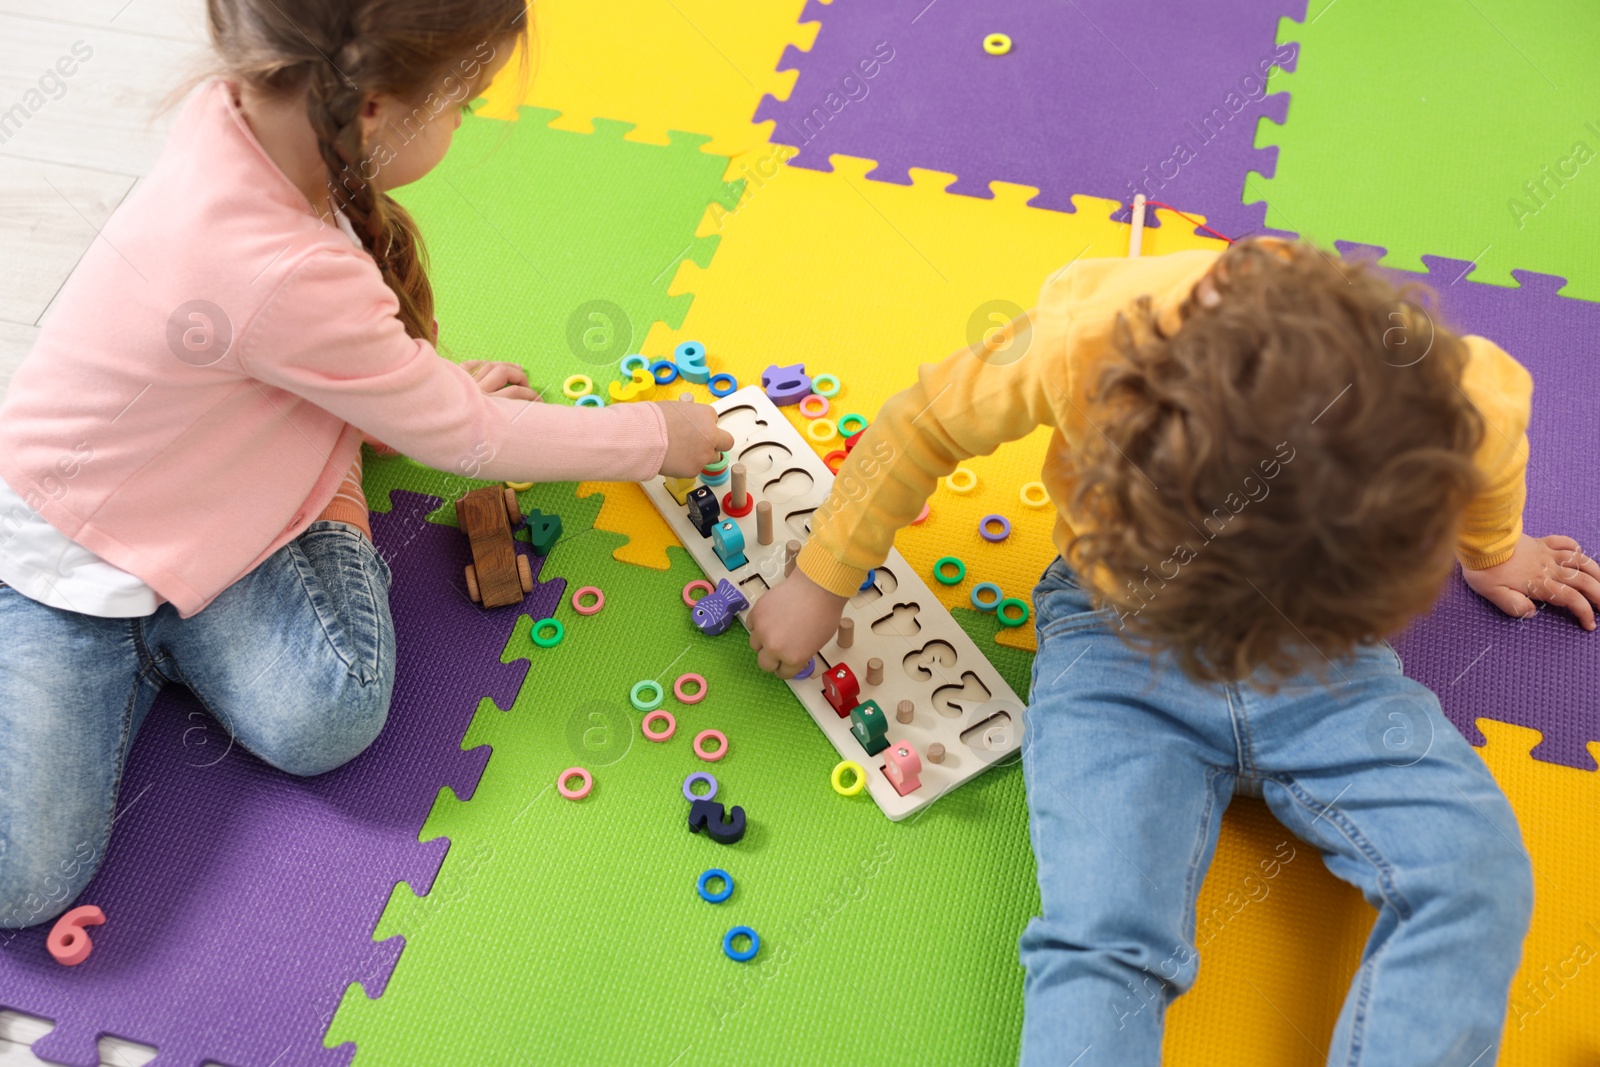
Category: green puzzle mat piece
[554,250]
[567,932]
[1426,128]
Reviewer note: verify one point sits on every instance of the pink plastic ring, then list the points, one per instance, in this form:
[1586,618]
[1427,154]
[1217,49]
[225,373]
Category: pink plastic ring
[814,406]
[582,791]
[588,590]
[672,725]
[698,583]
[922,516]
[689,679]
[711,757]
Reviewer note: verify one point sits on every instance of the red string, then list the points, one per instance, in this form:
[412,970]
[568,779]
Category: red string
[1197,222]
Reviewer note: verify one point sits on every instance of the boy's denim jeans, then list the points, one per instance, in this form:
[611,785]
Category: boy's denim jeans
[296,660]
[1129,766]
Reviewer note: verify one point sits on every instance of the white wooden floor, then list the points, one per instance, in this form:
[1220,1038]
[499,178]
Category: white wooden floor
[63,170]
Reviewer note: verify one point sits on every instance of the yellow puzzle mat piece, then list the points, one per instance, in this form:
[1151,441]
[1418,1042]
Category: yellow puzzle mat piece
[701,66]
[1280,938]
[866,280]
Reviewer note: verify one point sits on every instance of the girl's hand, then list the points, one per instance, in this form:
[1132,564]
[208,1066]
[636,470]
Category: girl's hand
[500,379]
[1552,569]
[790,622]
[693,438]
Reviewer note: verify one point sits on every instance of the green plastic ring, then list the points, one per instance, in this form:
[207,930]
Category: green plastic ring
[833,388]
[552,641]
[639,702]
[949,561]
[1010,602]
[718,465]
[859,421]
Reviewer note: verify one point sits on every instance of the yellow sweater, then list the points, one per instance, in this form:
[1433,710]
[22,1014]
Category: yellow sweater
[978,399]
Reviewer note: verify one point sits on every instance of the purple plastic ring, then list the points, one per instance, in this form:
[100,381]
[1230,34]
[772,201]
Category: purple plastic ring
[994,538]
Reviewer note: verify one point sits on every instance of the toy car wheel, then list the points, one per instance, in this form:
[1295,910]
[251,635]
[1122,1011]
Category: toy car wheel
[513,511]
[525,573]
[472,584]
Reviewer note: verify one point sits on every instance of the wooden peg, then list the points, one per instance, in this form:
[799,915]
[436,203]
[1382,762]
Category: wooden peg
[904,712]
[936,753]
[874,671]
[847,632]
[741,498]
[790,551]
[763,523]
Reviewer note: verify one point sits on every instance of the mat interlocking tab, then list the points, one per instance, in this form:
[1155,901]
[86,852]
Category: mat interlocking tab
[1099,97]
[239,900]
[1434,127]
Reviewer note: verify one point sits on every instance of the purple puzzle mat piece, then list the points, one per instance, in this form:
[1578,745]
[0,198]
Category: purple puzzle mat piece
[241,902]
[1097,97]
[1534,672]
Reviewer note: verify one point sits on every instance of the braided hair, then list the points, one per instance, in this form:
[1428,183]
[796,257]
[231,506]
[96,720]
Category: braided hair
[339,53]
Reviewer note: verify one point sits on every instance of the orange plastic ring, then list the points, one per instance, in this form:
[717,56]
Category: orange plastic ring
[835,460]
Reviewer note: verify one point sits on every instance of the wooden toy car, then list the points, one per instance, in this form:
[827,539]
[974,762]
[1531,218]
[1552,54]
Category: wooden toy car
[497,575]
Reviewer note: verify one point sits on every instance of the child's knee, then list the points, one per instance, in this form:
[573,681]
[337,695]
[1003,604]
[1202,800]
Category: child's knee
[329,728]
[1501,892]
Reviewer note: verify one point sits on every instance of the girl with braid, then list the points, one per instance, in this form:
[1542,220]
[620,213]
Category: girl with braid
[180,471]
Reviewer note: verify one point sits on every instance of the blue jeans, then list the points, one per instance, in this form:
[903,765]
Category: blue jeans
[295,660]
[1129,766]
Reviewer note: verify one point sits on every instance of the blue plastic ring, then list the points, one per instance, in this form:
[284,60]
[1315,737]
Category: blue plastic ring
[633,363]
[733,383]
[590,401]
[747,954]
[872,576]
[699,776]
[664,365]
[986,588]
[994,538]
[718,897]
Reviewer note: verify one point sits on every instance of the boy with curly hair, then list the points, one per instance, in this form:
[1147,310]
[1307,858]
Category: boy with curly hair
[1265,461]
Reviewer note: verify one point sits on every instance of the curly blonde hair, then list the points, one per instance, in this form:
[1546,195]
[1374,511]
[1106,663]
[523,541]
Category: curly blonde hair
[1283,474]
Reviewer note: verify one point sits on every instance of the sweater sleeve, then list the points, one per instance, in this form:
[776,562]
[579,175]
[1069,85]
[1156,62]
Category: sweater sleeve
[1503,392]
[330,333]
[968,405]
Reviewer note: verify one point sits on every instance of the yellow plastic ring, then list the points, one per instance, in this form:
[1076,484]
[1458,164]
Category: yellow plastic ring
[997,44]
[576,386]
[838,778]
[519,487]
[821,430]
[962,480]
[1034,495]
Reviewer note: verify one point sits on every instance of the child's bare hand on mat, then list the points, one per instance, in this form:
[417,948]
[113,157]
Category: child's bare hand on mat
[693,438]
[1552,569]
[790,622]
[500,379]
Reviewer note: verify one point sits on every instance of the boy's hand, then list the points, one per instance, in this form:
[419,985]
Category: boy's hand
[790,622]
[1552,569]
[693,438]
[500,379]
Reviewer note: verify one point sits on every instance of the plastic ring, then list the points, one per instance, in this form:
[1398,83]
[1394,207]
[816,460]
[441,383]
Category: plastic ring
[949,561]
[732,384]
[837,778]
[821,430]
[706,735]
[984,589]
[552,641]
[852,419]
[737,513]
[641,703]
[835,459]
[633,363]
[1034,495]
[747,954]
[989,520]
[699,776]
[698,583]
[922,516]
[716,466]
[961,480]
[576,386]
[582,791]
[997,44]
[872,576]
[591,401]
[703,882]
[814,406]
[689,679]
[829,390]
[811,665]
[661,735]
[592,609]
[519,487]
[664,365]
[1010,602]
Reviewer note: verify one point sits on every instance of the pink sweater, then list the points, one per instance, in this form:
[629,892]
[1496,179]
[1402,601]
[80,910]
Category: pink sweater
[188,471]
